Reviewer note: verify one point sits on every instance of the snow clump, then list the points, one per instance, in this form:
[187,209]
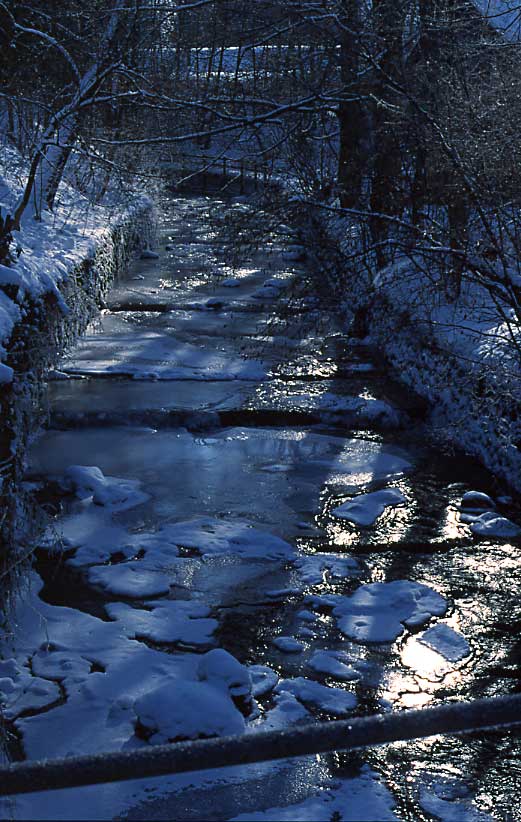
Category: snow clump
[365,509]
[380,611]
[89,481]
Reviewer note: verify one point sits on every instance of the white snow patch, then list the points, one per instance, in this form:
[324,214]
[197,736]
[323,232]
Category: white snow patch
[52,246]
[59,665]
[128,580]
[380,611]
[263,679]
[335,701]
[88,481]
[223,671]
[187,710]
[337,664]
[171,621]
[491,524]
[288,644]
[365,509]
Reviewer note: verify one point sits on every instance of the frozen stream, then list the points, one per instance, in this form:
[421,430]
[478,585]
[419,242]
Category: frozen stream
[247,530]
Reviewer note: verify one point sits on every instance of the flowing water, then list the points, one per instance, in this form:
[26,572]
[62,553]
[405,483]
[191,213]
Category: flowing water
[231,414]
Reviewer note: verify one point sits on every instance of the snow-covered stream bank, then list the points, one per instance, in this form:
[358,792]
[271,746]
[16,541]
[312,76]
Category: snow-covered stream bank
[461,356]
[247,531]
[65,266]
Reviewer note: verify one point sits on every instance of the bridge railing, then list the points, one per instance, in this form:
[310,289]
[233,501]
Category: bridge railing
[339,735]
[245,171]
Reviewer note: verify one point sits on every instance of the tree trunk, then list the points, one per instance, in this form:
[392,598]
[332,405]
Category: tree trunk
[351,116]
[387,182]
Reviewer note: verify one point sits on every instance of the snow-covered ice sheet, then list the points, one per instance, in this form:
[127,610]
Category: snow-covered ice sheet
[365,509]
[361,799]
[174,465]
[21,692]
[380,611]
[151,355]
[213,536]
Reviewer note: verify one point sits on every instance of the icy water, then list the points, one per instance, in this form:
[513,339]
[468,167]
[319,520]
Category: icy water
[225,468]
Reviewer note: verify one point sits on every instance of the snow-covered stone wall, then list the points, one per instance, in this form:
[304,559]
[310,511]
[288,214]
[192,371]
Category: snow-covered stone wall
[48,322]
[472,391]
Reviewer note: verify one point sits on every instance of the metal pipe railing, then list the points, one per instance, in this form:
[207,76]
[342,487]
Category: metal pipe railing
[203,754]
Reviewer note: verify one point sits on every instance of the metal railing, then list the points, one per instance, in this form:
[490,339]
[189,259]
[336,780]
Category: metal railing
[340,735]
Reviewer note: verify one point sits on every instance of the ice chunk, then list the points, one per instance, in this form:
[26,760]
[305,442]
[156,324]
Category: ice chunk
[97,540]
[287,711]
[148,254]
[307,616]
[365,509]
[446,641]
[282,593]
[313,568]
[332,700]
[378,611]
[288,644]
[334,663]
[443,804]
[263,679]
[6,373]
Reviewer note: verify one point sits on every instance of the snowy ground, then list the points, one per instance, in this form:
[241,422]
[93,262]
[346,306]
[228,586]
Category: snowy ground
[246,533]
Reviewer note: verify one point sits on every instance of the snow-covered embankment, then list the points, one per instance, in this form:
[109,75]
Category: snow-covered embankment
[64,268]
[462,357]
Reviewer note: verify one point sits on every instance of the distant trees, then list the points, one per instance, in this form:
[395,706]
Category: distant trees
[402,114]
